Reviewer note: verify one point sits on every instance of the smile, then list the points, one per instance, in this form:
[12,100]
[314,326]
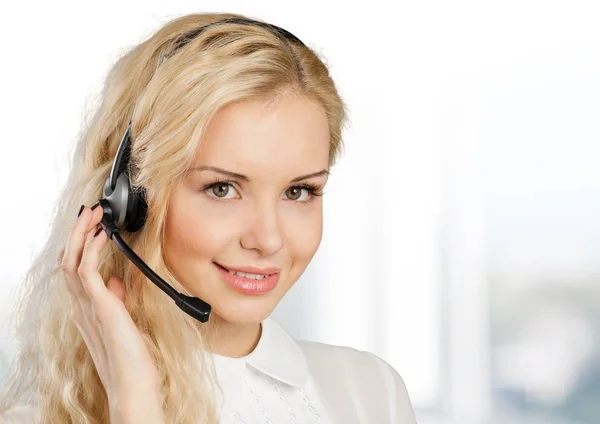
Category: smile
[249,282]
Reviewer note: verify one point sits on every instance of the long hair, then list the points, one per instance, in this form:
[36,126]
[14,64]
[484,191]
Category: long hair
[170,96]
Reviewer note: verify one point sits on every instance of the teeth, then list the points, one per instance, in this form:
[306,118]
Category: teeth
[247,275]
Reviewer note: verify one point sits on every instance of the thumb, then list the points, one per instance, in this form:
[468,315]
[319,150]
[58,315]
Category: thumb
[117,287]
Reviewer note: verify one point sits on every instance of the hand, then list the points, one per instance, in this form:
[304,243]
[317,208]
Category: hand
[124,365]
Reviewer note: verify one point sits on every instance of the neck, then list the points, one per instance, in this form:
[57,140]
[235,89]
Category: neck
[233,339]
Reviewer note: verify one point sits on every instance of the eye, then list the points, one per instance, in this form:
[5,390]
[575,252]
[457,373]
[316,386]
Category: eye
[220,190]
[302,193]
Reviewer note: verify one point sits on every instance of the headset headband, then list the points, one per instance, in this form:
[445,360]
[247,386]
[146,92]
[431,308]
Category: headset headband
[186,38]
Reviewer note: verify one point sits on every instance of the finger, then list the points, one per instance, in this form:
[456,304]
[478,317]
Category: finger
[88,331]
[73,250]
[97,214]
[91,280]
[61,253]
[81,307]
[92,228]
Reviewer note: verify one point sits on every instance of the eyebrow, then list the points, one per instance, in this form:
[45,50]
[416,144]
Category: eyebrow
[245,178]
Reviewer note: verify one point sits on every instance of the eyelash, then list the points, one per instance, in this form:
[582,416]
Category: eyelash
[313,190]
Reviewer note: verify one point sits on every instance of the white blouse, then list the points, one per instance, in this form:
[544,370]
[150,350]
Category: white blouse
[284,380]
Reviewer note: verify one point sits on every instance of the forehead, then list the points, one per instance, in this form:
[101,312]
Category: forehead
[289,133]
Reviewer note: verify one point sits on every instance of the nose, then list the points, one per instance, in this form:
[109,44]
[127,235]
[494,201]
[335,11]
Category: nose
[263,232]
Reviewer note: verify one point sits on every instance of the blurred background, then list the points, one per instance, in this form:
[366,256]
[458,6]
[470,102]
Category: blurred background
[462,239]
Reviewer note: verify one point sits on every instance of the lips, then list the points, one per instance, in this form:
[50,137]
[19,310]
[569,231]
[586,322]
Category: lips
[249,285]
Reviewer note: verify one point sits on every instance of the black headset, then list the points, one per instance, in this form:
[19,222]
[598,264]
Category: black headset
[124,209]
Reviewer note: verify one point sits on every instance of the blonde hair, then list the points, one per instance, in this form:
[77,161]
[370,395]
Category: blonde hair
[170,96]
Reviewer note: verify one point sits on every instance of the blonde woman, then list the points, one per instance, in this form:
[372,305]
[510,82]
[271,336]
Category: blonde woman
[233,126]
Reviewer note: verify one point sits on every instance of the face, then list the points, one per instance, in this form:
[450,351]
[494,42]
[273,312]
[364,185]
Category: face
[250,203]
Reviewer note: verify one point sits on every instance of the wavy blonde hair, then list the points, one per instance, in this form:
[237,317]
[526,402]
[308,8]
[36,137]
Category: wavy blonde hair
[170,103]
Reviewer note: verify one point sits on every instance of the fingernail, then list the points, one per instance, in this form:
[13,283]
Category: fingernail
[98,232]
[80,210]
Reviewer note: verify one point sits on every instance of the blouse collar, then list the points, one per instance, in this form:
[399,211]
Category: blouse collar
[277,355]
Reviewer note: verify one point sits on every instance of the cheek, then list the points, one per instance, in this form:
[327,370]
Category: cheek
[304,229]
[196,230]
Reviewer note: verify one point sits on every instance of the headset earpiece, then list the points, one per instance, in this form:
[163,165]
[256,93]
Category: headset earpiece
[128,208]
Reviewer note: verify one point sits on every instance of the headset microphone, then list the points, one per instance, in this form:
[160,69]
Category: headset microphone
[125,209]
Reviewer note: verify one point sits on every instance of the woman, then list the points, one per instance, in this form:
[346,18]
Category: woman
[234,127]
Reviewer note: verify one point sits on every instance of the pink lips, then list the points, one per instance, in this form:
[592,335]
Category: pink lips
[248,285]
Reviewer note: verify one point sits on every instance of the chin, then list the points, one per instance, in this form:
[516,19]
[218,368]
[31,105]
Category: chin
[242,311]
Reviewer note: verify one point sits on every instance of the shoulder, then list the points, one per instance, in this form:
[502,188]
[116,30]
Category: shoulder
[20,414]
[323,355]
[351,360]
[365,375]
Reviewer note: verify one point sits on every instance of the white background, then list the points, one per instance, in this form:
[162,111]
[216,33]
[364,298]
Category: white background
[462,114]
